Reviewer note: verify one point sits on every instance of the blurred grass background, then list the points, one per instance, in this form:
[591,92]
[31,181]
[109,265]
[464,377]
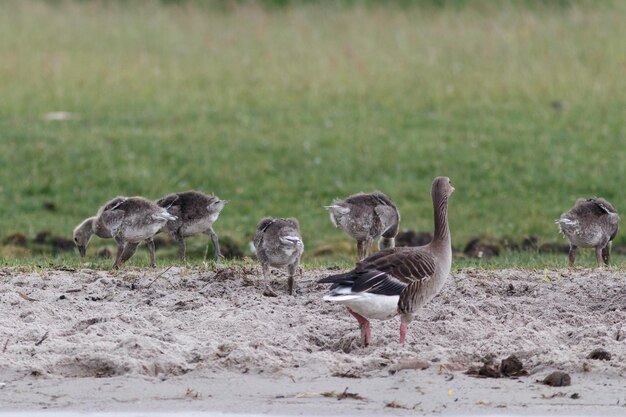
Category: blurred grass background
[281,106]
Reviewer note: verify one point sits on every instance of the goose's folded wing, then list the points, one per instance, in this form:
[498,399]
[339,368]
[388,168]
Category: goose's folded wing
[371,281]
[168,201]
[603,206]
[387,215]
[404,264]
[378,282]
[112,220]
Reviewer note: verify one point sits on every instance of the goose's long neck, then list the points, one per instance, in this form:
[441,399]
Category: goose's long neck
[442,231]
[99,230]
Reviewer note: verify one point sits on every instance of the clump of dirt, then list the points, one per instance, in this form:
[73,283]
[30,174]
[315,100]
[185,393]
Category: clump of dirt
[49,206]
[599,354]
[410,363]
[509,367]
[85,366]
[104,253]
[230,248]
[16,239]
[512,366]
[554,248]
[42,237]
[557,379]
[529,243]
[413,238]
[477,248]
[57,243]
[61,244]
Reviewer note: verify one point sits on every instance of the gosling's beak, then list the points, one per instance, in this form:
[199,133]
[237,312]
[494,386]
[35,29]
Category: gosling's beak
[225,201]
[453,189]
[82,250]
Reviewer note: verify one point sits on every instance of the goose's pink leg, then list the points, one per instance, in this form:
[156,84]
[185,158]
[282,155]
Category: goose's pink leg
[403,328]
[364,324]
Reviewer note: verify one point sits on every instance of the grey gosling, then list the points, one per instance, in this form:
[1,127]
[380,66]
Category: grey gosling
[398,280]
[367,217]
[91,226]
[85,230]
[131,220]
[278,243]
[591,223]
[195,213]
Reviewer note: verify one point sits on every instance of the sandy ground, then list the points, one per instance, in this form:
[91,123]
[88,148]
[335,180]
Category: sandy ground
[191,339]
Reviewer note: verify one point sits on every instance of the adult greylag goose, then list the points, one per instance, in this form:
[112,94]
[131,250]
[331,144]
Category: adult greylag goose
[591,223]
[131,220]
[83,233]
[367,217]
[398,280]
[278,243]
[195,213]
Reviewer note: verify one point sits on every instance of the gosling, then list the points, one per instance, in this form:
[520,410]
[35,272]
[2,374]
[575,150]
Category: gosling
[83,233]
[591,223]
[195,213]
[278,243]
[131,220]
[367,217]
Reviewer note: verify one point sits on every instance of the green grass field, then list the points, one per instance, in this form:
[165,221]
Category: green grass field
[282,109]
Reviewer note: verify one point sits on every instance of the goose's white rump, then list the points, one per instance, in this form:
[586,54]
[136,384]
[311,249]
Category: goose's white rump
[374,306]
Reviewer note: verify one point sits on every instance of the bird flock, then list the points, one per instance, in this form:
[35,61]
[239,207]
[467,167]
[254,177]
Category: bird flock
[393,281]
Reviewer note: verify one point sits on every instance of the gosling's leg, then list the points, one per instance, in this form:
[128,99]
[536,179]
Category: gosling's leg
[182,248]
[129,251]
[120,249]
[151,249]
[599,256]
[572,254]
[606,254]
[216,244]
[368,245]
[359,249]
[292,271]
[268,291]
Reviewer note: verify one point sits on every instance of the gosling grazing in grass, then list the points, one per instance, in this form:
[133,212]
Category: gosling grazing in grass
[131,220]
[591,223]
[278,243]
[195,213]
[398,280]
[367,217]
[93,226]
[85,230]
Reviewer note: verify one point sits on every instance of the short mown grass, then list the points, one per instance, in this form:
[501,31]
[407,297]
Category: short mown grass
[282,109]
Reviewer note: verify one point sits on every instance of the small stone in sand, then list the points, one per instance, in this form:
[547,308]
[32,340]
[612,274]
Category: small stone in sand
[512,366]
[557,379]
[509,367]
[599,354]
[412,363]
[489,371]
[394,404]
